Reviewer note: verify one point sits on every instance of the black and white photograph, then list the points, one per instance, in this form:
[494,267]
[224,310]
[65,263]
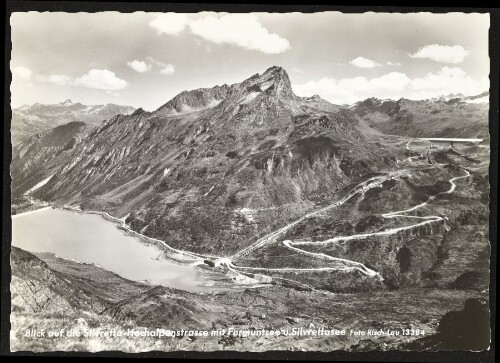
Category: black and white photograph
[249,181]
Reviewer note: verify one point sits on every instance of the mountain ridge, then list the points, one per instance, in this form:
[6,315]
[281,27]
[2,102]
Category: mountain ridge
[29,120]
[274,78]
[453,116]
[260,134]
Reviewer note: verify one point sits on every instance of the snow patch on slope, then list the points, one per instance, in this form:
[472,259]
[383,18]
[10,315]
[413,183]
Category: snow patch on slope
[39,185]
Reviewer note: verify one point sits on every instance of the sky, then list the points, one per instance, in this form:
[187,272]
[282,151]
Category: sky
[144,59]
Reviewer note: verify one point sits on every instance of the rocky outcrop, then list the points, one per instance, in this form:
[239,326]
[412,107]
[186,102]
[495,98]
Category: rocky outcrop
[36,288]
[467,330]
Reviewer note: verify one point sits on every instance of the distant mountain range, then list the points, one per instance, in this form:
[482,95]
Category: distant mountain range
[458,97]
[454,115]
[29,120]
[450,116]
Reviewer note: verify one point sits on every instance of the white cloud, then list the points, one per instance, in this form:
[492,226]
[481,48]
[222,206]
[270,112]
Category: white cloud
[393,64]
[22,73]
[393,85]
[139,66]
[95,78]
[59,79]
[349,90]
[447,80]
[243,30]
[169,23]
[362,62]
[442,53]
[168,69]
[101,79]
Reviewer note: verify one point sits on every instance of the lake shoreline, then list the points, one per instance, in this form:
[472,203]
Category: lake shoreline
[184,259]
[94,240]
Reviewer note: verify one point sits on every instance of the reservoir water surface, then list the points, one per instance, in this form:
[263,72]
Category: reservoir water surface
[89,238]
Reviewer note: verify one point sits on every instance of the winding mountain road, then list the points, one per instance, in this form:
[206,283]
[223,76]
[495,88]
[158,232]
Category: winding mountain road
[345,264]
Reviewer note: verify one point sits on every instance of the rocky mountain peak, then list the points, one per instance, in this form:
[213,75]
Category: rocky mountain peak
[276,71]
[140,112]
[195,100]
[275,80]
